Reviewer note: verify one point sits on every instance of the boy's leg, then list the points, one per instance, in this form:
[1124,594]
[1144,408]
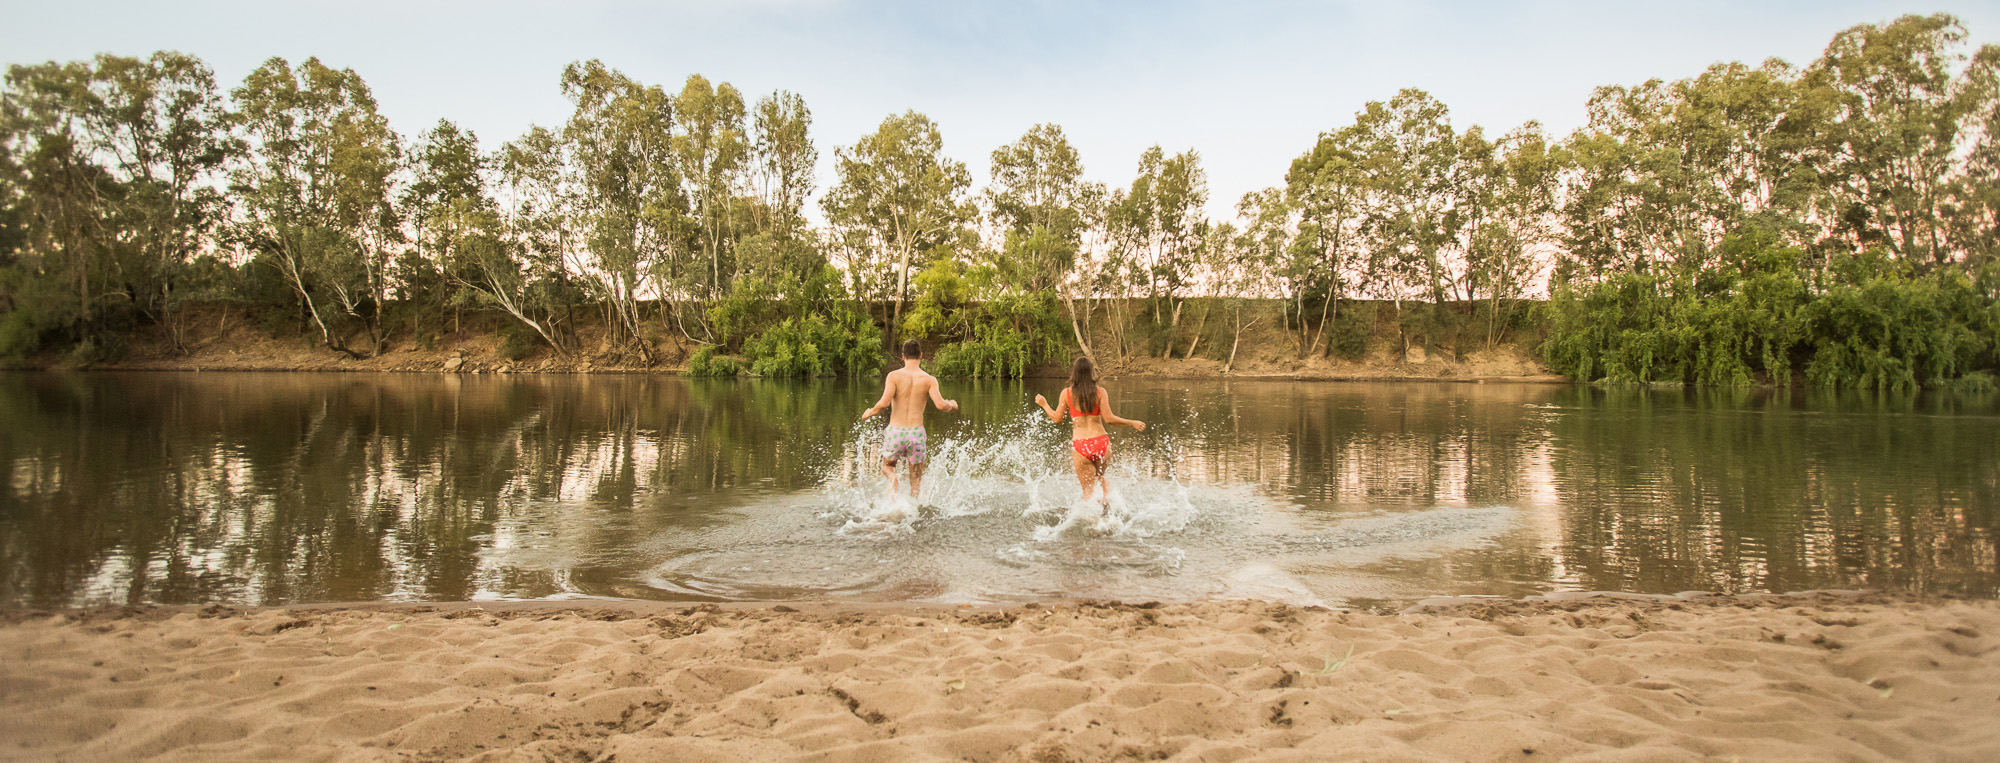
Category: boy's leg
[916,477]
[889,473]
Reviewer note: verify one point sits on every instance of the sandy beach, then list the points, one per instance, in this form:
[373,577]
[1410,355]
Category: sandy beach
[1804,677]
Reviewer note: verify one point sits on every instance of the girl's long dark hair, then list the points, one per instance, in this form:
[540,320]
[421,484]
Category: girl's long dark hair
[1083,387]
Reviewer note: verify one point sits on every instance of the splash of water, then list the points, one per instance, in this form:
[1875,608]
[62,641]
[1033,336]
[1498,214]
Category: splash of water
[1024,467]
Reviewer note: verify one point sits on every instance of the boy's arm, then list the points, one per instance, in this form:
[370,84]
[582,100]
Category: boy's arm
[888,391]
[1054,415]
[1104,403]
[937,398]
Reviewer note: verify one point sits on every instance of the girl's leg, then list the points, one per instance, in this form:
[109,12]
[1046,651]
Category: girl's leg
[1100,466]
[1086,472]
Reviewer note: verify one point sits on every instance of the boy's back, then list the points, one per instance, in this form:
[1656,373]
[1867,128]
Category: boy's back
[909,393]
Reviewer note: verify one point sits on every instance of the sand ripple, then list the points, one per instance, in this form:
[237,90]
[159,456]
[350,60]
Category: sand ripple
[1817,677]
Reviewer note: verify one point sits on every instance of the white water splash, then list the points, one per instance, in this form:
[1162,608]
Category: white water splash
[1024,468]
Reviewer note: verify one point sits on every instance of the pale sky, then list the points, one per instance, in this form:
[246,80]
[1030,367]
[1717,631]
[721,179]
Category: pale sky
[1249,85]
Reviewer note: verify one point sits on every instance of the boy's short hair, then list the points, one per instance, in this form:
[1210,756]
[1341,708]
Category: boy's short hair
[912,350]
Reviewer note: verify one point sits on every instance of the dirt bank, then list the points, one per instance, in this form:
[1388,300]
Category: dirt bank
[225,339]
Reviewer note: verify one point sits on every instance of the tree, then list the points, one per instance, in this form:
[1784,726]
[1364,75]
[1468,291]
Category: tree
[785,157]
[898,197]
[164,124]
[628,206]
[1900,104]
[1244,261]
[1406,153]
[1327,189]
[528,275]
[1507,195]
[1042,206]
[317,192]
[1159,226]
[712,150]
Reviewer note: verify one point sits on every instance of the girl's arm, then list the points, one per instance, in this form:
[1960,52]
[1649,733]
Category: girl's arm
[1053,414]
[1104,404]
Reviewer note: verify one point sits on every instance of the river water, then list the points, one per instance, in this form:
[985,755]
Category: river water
[293,487]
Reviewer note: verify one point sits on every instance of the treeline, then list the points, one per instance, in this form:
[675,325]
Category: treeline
[1837,223]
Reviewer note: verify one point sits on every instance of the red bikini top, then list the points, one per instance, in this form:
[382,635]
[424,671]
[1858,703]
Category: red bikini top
[1095,410]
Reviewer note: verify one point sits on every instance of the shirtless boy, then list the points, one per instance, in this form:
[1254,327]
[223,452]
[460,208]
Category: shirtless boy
[903,394]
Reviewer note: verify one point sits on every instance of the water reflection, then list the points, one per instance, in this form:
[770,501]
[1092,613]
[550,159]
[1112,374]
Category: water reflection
[271,488]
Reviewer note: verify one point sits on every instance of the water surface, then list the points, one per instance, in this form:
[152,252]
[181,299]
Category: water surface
[278,488]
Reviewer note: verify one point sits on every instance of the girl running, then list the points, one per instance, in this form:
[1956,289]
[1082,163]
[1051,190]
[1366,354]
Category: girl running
[1089,409]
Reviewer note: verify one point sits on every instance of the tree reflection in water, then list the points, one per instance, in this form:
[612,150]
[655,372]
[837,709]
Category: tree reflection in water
[275,488]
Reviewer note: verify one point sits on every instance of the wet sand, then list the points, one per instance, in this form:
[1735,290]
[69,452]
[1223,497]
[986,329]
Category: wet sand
[1811,677]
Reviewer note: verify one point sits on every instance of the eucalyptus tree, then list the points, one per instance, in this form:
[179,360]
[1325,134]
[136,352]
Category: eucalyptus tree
[1243,263]
[317,191]
[1976,227]
[1328,256]
[163,123]
[1508,197]
[1043,208]
[64,270]
[529,274]
[1038,199]
[898,196]
[459,230]
[628,203]
[713,151]
[1901,104]
[1159,227]
[1664,171]
[1406,154]
[784,157]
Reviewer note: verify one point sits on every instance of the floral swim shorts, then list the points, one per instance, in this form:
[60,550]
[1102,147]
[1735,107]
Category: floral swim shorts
[905,444]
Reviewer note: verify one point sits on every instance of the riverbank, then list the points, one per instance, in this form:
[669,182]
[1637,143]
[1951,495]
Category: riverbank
[1820,677]
[221,339]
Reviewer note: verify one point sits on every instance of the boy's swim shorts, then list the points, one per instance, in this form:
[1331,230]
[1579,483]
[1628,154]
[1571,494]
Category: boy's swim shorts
[905,444]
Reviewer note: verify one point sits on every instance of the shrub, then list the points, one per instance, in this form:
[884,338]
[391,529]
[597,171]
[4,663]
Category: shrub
[995,350]
[707,363]
[516,341]
[846,342]
[1353,324]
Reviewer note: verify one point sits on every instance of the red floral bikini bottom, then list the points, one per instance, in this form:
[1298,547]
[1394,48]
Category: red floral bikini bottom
[1094,448]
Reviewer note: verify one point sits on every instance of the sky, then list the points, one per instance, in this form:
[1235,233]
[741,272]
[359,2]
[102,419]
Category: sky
[1249,85]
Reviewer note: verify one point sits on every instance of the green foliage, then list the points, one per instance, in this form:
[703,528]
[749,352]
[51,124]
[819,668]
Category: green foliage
[706,362]
[995,350]
[844,343]
[516,341]
[1752,317]
[1353,325]
[1886,330]
[942,291]
[1975,383]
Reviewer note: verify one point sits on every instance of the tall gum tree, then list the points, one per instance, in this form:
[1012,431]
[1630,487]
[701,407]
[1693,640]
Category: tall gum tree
[1901,103]
[1037,199]
[629,204]
[713,150]
[898,196]
[317,191]
[1158,226]
[784,157]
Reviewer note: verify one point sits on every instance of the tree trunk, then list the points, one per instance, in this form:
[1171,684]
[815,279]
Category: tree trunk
[1325,314]
[902,289]
[1081,342]
[1205,310]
